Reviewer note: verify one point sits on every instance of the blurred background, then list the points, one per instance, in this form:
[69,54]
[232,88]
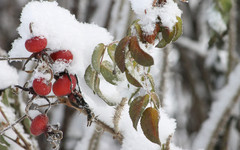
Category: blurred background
[199,67]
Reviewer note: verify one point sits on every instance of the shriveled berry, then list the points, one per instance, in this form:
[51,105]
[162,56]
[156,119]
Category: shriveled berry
[41,86]
[36,44]
[39,125]
[62,86]
[62,55]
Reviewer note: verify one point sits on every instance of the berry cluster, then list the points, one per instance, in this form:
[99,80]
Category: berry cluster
[42,84]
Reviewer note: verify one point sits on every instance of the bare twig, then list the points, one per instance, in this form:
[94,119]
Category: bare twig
[163,74]
[17,58]
[232,40]
[104,126]
[19,135]
[222,122]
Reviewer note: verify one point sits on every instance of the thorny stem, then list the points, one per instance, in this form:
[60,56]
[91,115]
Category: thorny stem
[118,113]
[222,122]
[27,145]
[94,141]
[104,126]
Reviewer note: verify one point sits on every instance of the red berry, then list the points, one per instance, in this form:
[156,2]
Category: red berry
[39,125]
[36,44]
[62,86]
[62,55]
[41,86]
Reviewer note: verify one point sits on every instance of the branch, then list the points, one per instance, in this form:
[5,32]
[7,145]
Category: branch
[104,126]
[117,115]
[222,122]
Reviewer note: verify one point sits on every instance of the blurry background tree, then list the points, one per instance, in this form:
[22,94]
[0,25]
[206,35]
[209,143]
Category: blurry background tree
[198,70]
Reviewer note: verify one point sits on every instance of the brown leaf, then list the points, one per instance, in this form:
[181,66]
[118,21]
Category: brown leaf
[132,80]
[149,124]
[151,38]
[138,54]
[137,107]
[120,53]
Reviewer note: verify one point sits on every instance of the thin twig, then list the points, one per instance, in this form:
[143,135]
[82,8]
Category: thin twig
[163,74]
[17,58]
[232,40]
[27,145]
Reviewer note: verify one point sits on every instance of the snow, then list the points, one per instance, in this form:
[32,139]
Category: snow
[148,14]
[222,99]
[215,20]
[8,75]
[63,31]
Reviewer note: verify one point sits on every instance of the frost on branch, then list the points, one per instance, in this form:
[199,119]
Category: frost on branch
[107,71]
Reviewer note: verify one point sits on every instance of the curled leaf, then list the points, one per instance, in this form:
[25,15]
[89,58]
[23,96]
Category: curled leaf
[132,80]
[149,124]
[179,29]
[167,34]
[155,99]
[120,53]
[107,72]
[99,93]
[137,107]
[90,76]
[138,54]
[97,55]
[161,43]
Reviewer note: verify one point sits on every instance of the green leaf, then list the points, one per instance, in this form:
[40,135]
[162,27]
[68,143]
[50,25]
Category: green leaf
[167,35]
[90,77]
[151,80]
[27,124]
[99,93]
[3,141]
[5,98]
[111,51]
[2,147]
[179,29]
[107,72]
[138,54]
[120,53]
[97,55]
[132,80]
[155,99]
[161,44]
[137,107]
[149,124]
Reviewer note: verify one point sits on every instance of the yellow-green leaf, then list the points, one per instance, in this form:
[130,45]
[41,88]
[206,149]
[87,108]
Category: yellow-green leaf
[111,51]
[167,34]
[155,99]
[97,55]
[3,141]
[132,80]
[149,124]
[138,54]
[120,53]
[179,29]
[137,107]
[2,147]
[161,44]
[90,76]
[99,93]
[107,72]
